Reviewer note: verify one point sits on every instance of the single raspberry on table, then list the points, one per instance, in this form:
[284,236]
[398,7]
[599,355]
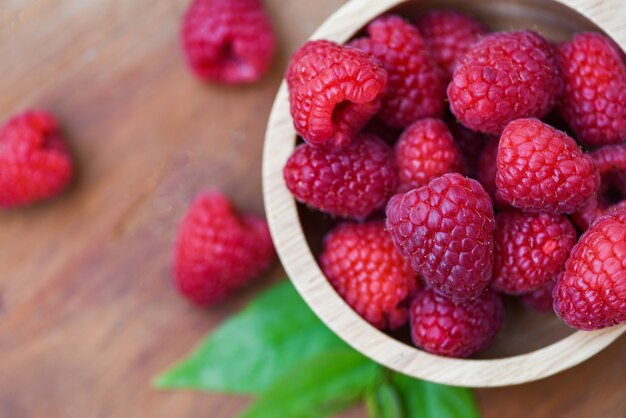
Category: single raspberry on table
[416,87]
[445,230]
[591,293]
[334,90]
[228,41]
[542,169]
[505,76]
[34,161]
[351,182]
[594,100]
[217,252]
[455,329]
[362,264]
[540,299]
[449,34]
[530,250]
[426,150]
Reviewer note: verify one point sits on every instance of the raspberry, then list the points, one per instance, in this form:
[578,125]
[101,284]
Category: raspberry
[34,162]
[530,250]
[455,329]
[504,76]
[591,293]
[333,91]
[540,299]
[416,84]
[217,252]
[425,150]
[351,182]
[487,169]
[445,229]
[449,35]
[594,101]
[610,159]
[542,169]
[364,267]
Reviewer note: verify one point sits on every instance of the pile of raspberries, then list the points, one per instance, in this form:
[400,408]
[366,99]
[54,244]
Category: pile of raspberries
[465,165]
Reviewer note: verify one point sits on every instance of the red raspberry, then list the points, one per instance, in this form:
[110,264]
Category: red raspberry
[455,329]
[228,41]
[425,150]
[594,102]
[217,252]
[487,169]
[445,229]
[34,162]
[417,86]
[333,91]
[505,76]
[540,299]
[591,293]
[530,250]
[449,35]
[365,268]
[542,169]
[351,182]
[610,159]
[469,143]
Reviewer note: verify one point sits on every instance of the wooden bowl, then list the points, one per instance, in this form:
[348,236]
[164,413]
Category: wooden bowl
[531,346]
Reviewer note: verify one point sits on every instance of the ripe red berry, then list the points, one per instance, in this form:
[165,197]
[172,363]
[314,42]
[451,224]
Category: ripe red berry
[217,252]
[34,162]
[530,250]
[594,100]
[469,143]
[504,76]
[351,182]
[542,169]
[416,87]
[365,268]
[334,90]
[445,229]
[228,41]
[449,34]
[540,299]
[455,329]
[426,150]
[591,293]
[487,169]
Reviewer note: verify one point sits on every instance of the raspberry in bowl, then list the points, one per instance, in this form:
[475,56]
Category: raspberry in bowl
[446,322]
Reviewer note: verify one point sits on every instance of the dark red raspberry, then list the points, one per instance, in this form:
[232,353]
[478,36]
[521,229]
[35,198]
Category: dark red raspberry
[351,182]
[449,35]
[455,329]
[333,91]
[217,252]
[34,162]
[417,85]
[591,293]
[610,160]
[530,250]
[594,102]
[542,169]
[365,268]
[540,299]
[228,41]
[505,76]
[487,169]
[426,150]
[469,143]
[445,229]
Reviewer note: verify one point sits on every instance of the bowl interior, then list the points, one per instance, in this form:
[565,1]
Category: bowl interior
[524,330]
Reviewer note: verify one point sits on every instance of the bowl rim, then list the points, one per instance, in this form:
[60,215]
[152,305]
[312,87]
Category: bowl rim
[305,274]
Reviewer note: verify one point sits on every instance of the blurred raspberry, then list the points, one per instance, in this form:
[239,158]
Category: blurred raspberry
[469,143]
[540,299]
[228,41]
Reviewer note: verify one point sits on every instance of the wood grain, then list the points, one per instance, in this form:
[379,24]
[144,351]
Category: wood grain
[87,314]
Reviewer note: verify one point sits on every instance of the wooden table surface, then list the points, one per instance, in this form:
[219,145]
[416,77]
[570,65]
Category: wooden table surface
[87,312]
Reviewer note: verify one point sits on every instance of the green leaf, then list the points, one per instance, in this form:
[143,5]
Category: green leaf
[383,401]
[321,386]
[249,351]
[429,400]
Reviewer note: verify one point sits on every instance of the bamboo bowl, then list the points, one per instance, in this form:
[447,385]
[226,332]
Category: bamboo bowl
[531,346]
